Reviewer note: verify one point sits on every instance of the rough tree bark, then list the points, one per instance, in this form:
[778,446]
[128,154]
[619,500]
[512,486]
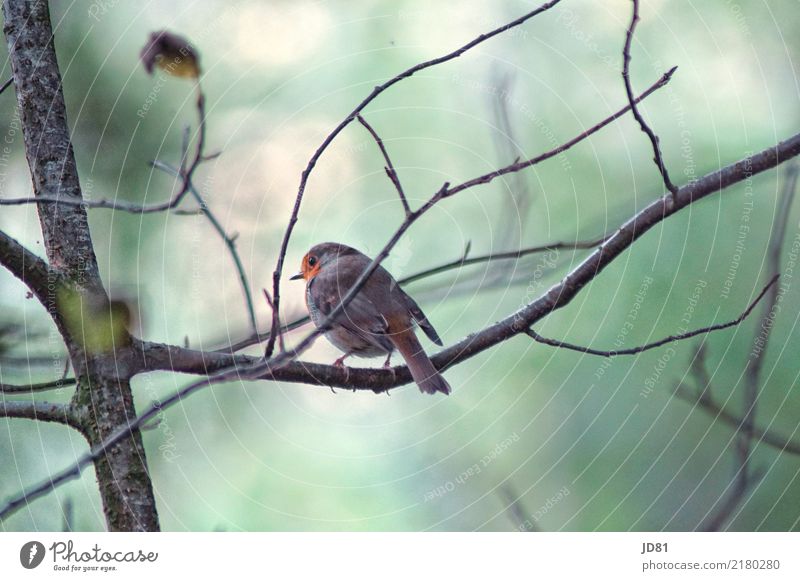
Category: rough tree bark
[103,400]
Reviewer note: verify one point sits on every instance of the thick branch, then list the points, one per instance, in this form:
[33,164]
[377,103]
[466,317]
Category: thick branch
[41,411]
[29,268]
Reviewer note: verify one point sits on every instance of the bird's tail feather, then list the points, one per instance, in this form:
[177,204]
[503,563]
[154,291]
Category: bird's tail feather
[422,370]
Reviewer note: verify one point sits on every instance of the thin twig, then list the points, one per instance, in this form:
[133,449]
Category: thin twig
[312,162]
[672,338]
[271,343]
[67,366]
[6,85]
[626,59]
[68,513]
[511,255]
[34,387]
[229,241]
[390,171]
[513,507]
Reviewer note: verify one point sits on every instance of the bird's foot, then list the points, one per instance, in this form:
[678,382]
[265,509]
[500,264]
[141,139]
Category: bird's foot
[340,362]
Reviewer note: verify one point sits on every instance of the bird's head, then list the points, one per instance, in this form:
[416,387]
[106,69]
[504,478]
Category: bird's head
[319,257]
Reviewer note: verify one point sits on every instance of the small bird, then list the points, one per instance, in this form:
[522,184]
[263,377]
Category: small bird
[378,320]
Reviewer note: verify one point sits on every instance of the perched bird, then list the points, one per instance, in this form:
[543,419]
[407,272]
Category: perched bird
[378,320]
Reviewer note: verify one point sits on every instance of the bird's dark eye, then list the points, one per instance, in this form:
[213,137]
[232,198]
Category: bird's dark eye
[312,260]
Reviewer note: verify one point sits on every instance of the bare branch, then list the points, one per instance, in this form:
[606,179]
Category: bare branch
[512,504]
[6,85]
[390,171]
[115,205]
[515,206]
[671,339]
[67,510]
[484,179]
[626,59]
[511,255]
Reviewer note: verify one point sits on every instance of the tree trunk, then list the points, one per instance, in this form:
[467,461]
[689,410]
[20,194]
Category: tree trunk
[105,398]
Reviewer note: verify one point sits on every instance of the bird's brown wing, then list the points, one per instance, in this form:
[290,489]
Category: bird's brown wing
[362,315]
[419,316]
[384,291]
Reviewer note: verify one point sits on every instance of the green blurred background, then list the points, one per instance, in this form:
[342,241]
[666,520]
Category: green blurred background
[579,442]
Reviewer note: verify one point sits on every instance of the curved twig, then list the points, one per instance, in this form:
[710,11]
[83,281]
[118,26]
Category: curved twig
[390,171]
[671,339]
[626,60]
